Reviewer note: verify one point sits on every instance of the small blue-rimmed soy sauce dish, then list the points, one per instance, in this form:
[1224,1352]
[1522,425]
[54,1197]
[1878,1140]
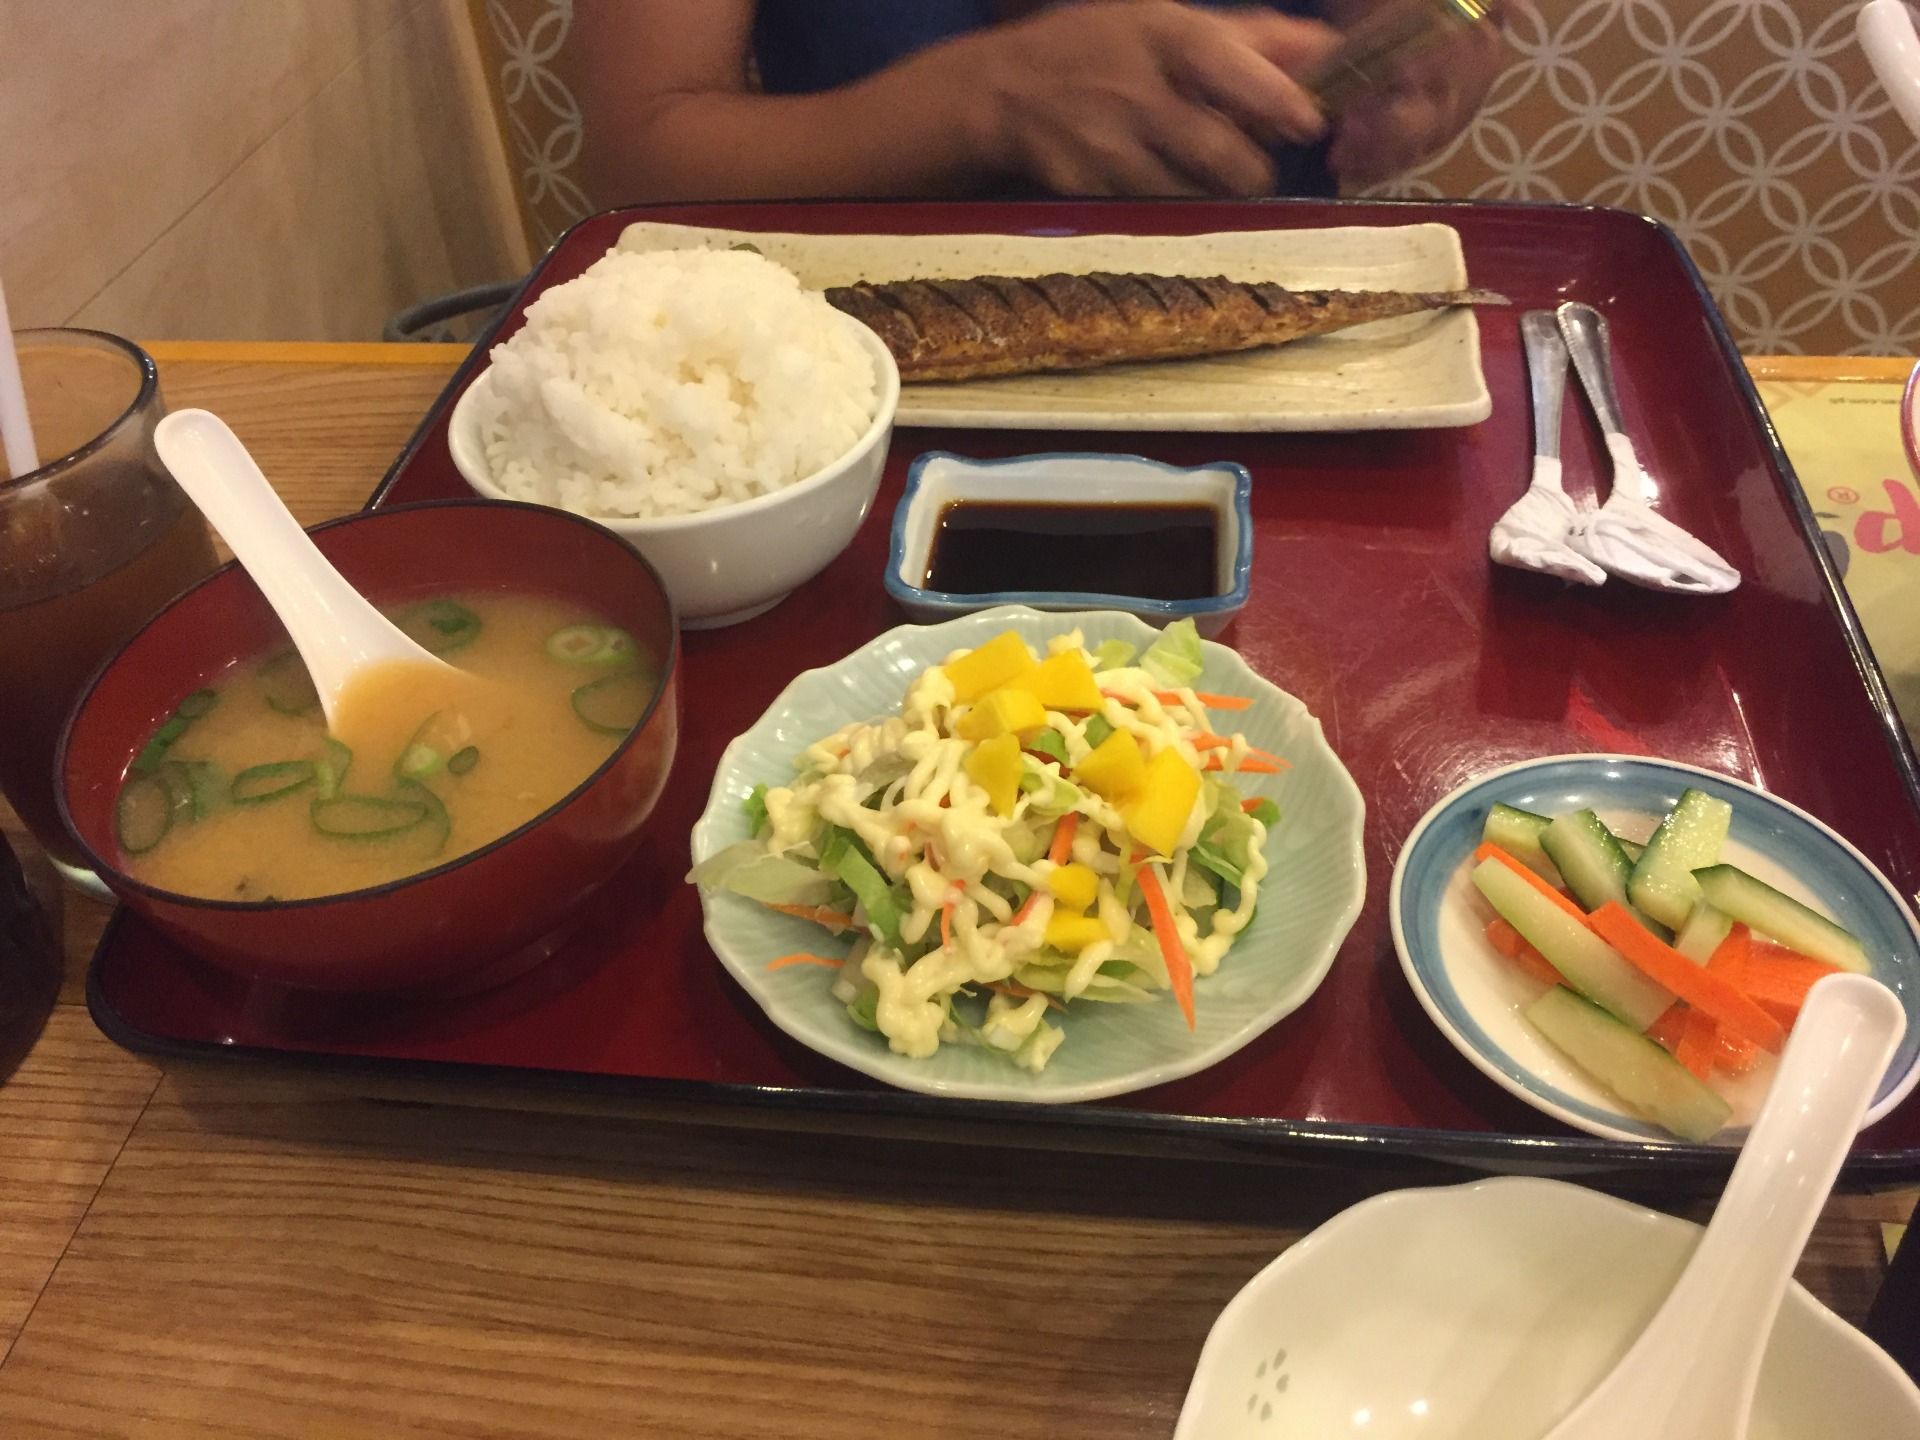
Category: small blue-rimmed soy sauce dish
[1073,531]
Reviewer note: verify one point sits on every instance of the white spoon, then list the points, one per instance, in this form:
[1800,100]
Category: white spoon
[1692,1372]
[336,631]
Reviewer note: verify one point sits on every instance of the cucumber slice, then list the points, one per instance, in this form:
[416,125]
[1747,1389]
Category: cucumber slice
[1688,839]
[1588,858]
[1633,848]
[1590,965]
[1706,927]
[143,814]
[1519,832]
[1760,907]
[1647,1078]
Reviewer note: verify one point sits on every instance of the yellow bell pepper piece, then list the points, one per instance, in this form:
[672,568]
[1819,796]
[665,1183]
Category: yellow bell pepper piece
[1073,933]
[994,765]
[1114,769]
[989,667]
[1074,885]
[1158,812]
[1005,711]
[1061,682]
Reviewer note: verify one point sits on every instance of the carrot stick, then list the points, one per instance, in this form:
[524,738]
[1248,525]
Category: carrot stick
[1512,944]
[1212,702]
[1179,971]
[1729,960]
[835,920]
[785,960]
[1775,977]
[1489,851]
[1699,987]
[1698,1044]
[1666,1031]
[1060,849]
[1203,741]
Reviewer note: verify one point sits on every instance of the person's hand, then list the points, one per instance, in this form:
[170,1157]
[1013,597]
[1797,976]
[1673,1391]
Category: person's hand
[1141,97]
[1428,101]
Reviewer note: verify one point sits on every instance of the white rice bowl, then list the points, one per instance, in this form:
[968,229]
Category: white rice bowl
[671,382]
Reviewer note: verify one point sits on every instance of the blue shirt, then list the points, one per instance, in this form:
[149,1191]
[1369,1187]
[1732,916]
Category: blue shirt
[803,46]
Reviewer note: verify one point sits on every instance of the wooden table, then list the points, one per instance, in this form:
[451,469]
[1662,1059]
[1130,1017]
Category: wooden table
[200,1251]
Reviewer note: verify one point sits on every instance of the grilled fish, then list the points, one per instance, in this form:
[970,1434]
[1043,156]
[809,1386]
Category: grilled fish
[993,325]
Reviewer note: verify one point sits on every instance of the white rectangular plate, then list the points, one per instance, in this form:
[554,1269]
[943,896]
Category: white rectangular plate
[1416,372]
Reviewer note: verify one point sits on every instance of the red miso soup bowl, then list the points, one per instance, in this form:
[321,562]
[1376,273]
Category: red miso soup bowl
[462,920]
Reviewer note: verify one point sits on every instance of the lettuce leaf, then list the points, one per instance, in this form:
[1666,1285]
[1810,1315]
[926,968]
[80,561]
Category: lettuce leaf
[746,869]
[1112,654]
[1174,660]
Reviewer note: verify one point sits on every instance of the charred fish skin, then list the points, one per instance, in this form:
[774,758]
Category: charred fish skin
[1002,325]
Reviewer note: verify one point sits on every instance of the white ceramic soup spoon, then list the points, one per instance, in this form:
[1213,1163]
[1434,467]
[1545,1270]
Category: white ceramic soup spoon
[337,632]
[1692,1372]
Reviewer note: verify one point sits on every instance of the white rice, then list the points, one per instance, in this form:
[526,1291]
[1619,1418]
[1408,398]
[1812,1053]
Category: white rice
[672,382]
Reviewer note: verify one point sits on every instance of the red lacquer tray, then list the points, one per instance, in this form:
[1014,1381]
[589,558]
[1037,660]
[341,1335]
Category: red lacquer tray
[1372,600]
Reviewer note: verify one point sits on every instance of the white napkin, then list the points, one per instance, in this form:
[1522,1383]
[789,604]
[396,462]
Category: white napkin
[1532,535]
[1628,539]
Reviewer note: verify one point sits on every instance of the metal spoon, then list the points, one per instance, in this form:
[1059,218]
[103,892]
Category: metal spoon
[1627,537]
[337,632]
[1692,1372]
[1532,535]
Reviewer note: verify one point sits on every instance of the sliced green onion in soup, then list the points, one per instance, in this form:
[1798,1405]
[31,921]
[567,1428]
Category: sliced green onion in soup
[436,822]
[197,704]
[330,770]
[614,704]
[143,814]
[438,737]
[286,684]
[199,787]
[461,761]
[257,784]
[366,817]
[439,626]
[599,646]
[154,752]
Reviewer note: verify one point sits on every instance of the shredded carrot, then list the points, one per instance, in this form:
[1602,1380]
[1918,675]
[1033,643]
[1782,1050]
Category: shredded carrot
[1209,742]
[1204,741]
[1512,944]
[835,920]
[1251,765]
[1253,804]
[1061,849]
[1179,971]
[1489,851]
[1212,702]
[1696,985]
[1026,907]
[1666,1031]
[785,960]
[946,915]
[1025,992]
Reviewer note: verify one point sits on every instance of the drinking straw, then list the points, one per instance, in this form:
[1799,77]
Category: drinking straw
[16,430]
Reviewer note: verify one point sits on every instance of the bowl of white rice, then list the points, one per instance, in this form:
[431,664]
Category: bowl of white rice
[730,425]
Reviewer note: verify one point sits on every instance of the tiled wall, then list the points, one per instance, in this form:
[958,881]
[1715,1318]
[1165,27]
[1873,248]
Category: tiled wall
[272,169]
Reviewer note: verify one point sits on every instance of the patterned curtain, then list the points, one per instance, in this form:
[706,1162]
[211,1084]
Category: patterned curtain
[1753,127]
[542,118]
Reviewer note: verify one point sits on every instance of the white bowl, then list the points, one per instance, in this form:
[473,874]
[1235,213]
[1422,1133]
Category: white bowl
[1484,1312]
[731,563]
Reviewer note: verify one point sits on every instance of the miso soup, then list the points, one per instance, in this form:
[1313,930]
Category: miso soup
[242,794]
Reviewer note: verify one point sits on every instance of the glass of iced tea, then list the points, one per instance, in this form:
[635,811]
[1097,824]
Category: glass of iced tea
[92,544]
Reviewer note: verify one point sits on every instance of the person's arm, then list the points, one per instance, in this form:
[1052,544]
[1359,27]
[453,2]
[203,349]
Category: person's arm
[1142,97]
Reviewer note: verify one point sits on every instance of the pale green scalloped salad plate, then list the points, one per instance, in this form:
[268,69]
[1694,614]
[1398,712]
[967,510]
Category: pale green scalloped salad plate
[1308,901]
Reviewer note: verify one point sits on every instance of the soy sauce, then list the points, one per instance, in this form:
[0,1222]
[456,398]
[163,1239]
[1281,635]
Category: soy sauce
[1156,552]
